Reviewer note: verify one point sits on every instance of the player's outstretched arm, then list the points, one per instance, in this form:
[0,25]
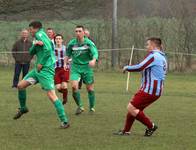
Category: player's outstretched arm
[147,62]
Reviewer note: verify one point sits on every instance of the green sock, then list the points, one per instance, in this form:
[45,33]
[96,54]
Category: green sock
[60,111]
[76,96]
[22,99]
[91,97]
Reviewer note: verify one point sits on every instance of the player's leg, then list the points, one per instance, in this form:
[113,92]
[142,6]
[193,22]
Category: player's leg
[136,107]
[64,90]
[141,117]
[17,71]
[128,122]
[75,77]
[22,96]
[64,84]
[46,80]
[135,111]
[88,79]
[58,80]
[22,85]
[76,96]
[91,97]
[58,87]
[59,108]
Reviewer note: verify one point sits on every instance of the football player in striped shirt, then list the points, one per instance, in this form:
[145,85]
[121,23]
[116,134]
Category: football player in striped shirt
[61,77]
[153,69]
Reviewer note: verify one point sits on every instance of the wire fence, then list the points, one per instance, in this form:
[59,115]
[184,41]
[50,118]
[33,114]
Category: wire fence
[177,61]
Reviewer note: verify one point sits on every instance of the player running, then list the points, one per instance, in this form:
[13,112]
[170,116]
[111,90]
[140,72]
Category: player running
[153,69]
[61,76]
[84,55]
[42,73]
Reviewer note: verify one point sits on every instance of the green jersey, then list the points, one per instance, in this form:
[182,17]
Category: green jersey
[81,53]
[44,54]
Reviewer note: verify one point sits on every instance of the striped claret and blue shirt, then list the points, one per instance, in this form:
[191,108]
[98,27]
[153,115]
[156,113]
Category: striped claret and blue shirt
[153,69]
[60,54]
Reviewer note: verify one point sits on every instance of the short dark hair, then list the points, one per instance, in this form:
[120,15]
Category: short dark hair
[35,24]
[58,35]
[80,26]
[156,40]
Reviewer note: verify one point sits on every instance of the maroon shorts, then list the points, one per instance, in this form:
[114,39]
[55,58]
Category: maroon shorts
[61,75]
[141,99]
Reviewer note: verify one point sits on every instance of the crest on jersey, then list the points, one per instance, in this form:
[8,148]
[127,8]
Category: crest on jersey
[78,50]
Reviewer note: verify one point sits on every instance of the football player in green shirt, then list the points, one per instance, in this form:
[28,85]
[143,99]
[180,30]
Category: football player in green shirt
[84,55]
[42,73]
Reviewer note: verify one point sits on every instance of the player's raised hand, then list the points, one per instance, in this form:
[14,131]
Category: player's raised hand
[125,68]
[92,63]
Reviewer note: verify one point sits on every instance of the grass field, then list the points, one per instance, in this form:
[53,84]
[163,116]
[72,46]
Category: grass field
[175,113]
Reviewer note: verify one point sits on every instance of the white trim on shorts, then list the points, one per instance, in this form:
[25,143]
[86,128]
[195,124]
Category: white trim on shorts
[31,80]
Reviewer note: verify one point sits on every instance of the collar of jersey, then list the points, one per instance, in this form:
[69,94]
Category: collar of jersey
[159,51]
[41,29]
[84,42]
[62,48]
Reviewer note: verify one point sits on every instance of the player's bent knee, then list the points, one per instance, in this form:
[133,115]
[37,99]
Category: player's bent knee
[132,110]
[90,88]
[64,86]
[22,85]
[58,88]
[74,85]
[19,86]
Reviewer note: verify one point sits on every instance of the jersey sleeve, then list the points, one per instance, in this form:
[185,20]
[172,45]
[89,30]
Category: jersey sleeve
[146,63]
[94,51]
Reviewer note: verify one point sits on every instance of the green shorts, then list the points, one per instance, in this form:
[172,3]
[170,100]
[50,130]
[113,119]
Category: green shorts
[45,77]
[83,72]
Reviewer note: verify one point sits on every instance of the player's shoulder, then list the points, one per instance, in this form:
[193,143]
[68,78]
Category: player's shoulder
[158,53]
[72,41]
[88,41]
[40,33]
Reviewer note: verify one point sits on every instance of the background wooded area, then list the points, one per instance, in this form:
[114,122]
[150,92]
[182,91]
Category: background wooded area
[174,21]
